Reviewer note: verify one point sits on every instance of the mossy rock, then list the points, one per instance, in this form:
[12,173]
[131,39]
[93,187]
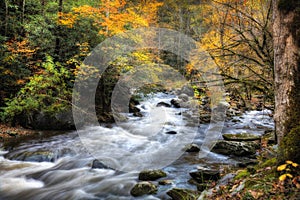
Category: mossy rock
[241,137]
[151,175]
[143,188]
[234,148]
[202,176]
[183,194]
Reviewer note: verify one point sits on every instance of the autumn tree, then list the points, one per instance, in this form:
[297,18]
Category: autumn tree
[240,42]
[286,29]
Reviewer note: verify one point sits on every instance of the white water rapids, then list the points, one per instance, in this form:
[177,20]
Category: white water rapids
[60,167]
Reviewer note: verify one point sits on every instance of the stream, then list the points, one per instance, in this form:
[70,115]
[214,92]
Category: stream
[60,166]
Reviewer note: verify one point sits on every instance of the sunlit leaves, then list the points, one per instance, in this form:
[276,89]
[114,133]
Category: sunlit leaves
[113,16]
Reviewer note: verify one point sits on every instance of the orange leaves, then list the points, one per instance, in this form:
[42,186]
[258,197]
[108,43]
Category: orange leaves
[67,19]
[113,16]
[20,47]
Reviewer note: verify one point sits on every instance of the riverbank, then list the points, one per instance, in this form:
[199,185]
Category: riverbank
[12,136]
[8,132]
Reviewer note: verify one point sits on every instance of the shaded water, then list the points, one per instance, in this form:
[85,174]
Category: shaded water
[60,167]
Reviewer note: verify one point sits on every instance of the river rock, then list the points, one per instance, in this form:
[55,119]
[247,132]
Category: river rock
[192,148]
[143,188]
[99,165]
[235,148]
[184,97]
[133,109]
[205,118]
[175,103]
[241,137]
[163,104]
[165,182]
[187,90]
[183,194]
[171,132]
[151,175]
[205,174]
[36,156]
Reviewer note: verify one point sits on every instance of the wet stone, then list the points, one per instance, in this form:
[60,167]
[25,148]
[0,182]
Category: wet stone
[151,175]
[182,194]
[143,188]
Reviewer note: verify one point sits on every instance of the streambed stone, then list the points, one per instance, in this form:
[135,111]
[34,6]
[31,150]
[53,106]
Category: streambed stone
[143,188]
[180,194]
[163,104]
[192,148]
[203,175]
[241,137]
[151,175]
[236,148]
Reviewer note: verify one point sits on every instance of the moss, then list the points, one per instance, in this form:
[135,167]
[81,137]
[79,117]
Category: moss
[248,196]
[290,145]
[269,163]
[242,174]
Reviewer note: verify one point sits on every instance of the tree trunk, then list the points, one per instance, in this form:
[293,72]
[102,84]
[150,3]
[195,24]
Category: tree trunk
[286,40]
[6,16]
[57,40]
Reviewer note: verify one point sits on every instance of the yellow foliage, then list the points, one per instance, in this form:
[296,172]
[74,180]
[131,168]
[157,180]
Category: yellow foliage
[67,19]
[113,16]
[282,167]
[284,176]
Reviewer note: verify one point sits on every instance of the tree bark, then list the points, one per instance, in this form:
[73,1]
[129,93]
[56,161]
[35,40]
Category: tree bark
[57,51]
[286,38]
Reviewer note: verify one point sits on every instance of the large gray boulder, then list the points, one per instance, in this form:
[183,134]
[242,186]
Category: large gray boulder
[236,148]
[40,120]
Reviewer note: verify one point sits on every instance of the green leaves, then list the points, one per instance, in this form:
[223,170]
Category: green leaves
[47,91]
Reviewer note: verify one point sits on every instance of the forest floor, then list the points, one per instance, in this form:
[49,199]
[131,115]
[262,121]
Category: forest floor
[8,132]
[263,181]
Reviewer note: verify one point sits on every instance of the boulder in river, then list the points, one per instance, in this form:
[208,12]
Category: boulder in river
[192,148]
[165,182]
[205,174]
[47,121]
[241,137]
[143,188]
[184,97]
[99,165]
[151,175]
[171,132]
[175,103]
[183,194]
[163,104]
[236,148]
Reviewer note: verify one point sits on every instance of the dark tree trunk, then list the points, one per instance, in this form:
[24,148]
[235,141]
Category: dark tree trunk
[286,30]
[58,35]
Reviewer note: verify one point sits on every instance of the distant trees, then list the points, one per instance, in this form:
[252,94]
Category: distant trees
[33,31]
[240,42]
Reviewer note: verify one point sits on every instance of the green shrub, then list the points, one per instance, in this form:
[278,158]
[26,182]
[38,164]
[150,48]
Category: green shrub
[48,91]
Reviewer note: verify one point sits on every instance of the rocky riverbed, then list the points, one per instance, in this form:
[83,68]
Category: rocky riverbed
[162,138]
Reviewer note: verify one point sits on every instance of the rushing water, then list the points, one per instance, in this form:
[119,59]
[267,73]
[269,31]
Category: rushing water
[60,167]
